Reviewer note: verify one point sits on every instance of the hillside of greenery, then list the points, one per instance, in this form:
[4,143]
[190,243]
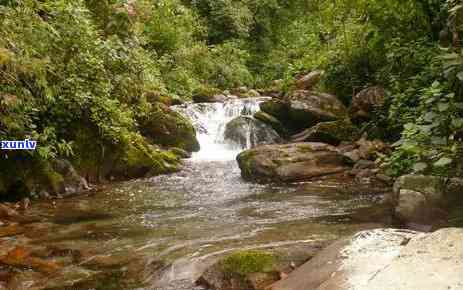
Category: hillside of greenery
[85,78]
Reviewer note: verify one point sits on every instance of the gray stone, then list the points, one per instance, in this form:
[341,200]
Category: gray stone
[384,259]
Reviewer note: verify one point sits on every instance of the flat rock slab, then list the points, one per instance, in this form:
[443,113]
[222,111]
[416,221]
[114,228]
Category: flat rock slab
[384,259]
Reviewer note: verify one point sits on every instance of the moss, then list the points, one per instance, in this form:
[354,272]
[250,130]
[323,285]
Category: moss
[166,127]
[245,161]
[142,158]
[247,262]
[205,94]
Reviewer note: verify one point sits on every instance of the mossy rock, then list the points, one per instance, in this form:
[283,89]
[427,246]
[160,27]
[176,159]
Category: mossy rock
[253,270]
[329,132]
[205,95]
[247,262]
[168,128]
[144,159]
[180,152]
[157,97]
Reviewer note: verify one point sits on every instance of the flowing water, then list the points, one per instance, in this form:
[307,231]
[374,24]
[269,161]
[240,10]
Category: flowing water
[177,224]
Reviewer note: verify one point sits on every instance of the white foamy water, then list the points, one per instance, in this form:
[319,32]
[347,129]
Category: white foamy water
[210,120]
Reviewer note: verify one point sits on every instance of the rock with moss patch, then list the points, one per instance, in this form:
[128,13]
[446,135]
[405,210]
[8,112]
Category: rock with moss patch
[143,159]
[254,270]
[329,132]
[206,95]
[292,162]
[166,127]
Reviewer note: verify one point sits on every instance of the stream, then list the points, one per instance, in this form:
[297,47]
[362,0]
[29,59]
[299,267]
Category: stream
[161,232]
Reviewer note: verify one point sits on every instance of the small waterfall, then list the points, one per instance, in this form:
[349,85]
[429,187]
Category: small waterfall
[210,120]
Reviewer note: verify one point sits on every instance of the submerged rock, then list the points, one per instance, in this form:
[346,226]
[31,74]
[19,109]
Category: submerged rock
[292,162]
[332,133]
[249,132]
[384,259]
[426,200]
[166,127]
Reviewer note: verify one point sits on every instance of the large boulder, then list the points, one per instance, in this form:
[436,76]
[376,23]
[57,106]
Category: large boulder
[248,132]
[292,162]
[166,127]
[303,109]
[384,259]
[422,200]
[333,133]
[309,108]
[365,103]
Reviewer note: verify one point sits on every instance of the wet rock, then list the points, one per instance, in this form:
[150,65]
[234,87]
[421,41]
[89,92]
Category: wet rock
[403,260]
[332,133]
[272,121]
[426,200]
[365,103]
[309,81]
[180,152]
[133,268]
[21,257]
[253,270]
[249,132]
[277,109]
[292,162]
[165,127]
[11,230]
[72,182]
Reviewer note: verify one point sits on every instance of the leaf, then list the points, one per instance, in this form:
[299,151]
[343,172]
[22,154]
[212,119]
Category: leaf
[430,116]
[443,107]
[444,161]
[457,123]
[420,166]
[460,76]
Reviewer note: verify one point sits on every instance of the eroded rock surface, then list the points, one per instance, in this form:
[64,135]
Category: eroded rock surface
[384,259]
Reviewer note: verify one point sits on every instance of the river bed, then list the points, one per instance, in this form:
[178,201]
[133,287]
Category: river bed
[161,232]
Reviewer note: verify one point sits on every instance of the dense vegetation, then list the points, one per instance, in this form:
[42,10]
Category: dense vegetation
[81,76]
